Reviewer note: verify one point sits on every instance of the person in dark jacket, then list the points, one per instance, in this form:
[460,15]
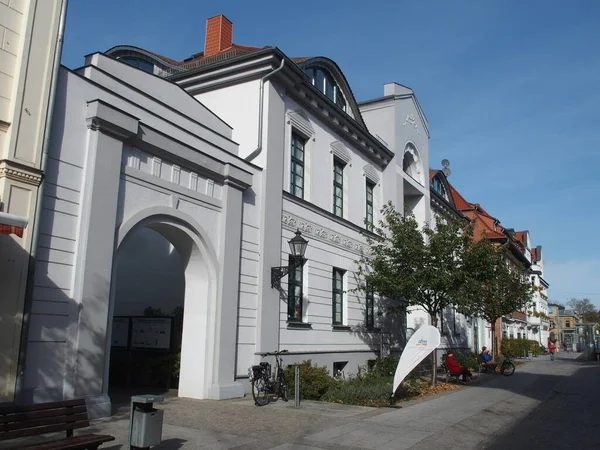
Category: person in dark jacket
[455,368]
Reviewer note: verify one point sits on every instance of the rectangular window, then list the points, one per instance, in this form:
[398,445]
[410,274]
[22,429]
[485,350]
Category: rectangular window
[337,290]
[370,308]
[369,212]
[297,166]
[295,278]
[567,324]
[338,187]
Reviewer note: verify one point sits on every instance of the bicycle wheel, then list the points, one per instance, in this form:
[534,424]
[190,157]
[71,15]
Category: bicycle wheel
[508,369]
[282,388]
[260,392]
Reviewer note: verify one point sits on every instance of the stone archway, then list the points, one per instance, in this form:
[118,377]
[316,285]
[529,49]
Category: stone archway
[201,284]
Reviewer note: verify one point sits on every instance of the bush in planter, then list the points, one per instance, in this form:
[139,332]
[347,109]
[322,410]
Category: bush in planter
[314,381]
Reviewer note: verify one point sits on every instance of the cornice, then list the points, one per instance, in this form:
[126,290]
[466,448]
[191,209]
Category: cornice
[17,172]
[257,64]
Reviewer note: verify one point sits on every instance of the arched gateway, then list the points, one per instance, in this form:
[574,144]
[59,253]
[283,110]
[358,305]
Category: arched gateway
[125,159]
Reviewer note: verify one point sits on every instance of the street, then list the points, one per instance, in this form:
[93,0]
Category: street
[544,405]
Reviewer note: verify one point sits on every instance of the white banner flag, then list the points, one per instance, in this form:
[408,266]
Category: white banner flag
[422,343]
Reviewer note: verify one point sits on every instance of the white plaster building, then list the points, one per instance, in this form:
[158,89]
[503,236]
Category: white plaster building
[178,184]
[325,170]
[126,158]
[30,47]
[538,316]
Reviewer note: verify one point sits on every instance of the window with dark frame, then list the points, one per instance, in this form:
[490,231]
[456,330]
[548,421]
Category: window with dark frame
[295,294]
[369,204]
[338,187]
[297,165]
[370,308]
[337,290]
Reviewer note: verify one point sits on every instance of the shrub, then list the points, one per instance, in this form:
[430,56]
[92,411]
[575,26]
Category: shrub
[520,347]
[384,367]
[314,381]
[371,391]
[468,360]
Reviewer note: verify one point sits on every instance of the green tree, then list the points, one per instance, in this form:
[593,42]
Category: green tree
[423,267]
[493,286]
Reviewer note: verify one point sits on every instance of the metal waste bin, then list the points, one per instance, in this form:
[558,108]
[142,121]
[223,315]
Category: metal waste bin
[145,424]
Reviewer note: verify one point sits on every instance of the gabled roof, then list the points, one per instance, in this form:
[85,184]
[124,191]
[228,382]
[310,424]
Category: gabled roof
[488,226]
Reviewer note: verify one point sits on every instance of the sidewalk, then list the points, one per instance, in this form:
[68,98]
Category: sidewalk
[469,417]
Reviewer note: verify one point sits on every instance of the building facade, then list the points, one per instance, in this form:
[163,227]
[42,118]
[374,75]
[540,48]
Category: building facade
[30,46]
[177,185]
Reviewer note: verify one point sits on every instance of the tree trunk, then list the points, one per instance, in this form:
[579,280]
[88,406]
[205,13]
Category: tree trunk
[434,354]
[494,343]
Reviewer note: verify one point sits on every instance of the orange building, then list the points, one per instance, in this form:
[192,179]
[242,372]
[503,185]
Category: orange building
[486,226]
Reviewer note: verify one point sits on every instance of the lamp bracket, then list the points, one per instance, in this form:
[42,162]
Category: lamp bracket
[277,273]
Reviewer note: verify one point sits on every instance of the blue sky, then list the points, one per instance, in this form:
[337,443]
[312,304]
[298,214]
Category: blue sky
[511,90]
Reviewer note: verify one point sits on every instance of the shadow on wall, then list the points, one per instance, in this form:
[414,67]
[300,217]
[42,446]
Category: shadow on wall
[388,332]
[49,369]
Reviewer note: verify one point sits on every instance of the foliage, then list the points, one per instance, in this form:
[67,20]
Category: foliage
[384,367]
[423,267]
[314,381]
[539,314]
[373,387]
[521,347]
[468,360]
[369,391]
[494,287]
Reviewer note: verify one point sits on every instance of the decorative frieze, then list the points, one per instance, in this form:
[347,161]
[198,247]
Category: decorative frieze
[7,170]
[323,234]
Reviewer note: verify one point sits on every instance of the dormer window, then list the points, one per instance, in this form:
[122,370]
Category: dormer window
[437,186]
[324,81]
[140,63]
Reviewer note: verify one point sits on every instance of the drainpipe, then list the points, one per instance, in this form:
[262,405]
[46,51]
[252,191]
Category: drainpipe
[258,150]
[40,195]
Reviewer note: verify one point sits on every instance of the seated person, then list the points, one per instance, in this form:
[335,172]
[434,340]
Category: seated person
[486,359]
[456,369]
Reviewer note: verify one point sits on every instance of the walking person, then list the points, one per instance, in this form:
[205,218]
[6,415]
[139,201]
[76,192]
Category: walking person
[552,350]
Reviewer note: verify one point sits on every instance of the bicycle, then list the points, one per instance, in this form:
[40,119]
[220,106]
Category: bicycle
[507,368]
[263,386]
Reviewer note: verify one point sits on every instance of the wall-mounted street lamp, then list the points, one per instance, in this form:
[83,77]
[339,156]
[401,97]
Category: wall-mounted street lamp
[297,248]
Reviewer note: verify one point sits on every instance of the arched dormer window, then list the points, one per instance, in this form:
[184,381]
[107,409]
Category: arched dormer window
[438,186]
[140,63]
[411,164]
[324,81]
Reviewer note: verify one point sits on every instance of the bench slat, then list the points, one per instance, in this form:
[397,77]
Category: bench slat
[43,430]
[12,409]
[78,442]
[21,416]
[18,425]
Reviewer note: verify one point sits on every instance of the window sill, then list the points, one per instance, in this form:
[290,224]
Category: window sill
[340,328]
[299,325]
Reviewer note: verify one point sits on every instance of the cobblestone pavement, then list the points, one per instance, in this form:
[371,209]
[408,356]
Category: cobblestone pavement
[494,412]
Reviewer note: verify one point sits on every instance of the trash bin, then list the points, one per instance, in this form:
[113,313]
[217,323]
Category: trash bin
[145,425]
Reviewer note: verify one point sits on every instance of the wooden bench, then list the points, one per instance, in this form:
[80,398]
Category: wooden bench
[33,420]
[450,375]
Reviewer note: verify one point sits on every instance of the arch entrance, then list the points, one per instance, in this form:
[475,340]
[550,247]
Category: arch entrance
[162,311]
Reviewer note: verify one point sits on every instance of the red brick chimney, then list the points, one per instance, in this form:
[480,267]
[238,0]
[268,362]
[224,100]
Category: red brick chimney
[219,35]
